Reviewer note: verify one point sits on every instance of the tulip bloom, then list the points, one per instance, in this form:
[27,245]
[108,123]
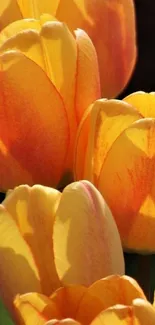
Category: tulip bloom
[109,23]
[82,305]
[48,77]
[115,150]
[53,239]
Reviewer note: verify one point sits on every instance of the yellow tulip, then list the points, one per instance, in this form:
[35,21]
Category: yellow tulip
[49,239]
[84,305]
[109,23]
[115,150]
[48,77]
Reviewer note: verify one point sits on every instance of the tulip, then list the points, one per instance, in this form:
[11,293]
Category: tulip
[48,77]
[109,23]
[83,305]
[115,150]
[49,239]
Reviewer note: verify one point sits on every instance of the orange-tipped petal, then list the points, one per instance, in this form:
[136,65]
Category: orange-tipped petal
[32,116]
[9,12]
[128,184]
[87,78]
[33,209]
[100,127]
[143,102]
[140,312]
[105,293]
[34,308]
[68,299]
[53,47]
[111,26]
[85,238]
[18,272]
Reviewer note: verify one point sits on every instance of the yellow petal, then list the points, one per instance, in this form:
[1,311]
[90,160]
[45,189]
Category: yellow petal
[128,185]
[87,79]
[111,26]
[33,209]
[140,313]
[67,321]
[105,293]
[18,272]
[85,238]
[29,131]
[34,308]
[68,299]
[35,8]
[143,102]
[9,11]
[102,123]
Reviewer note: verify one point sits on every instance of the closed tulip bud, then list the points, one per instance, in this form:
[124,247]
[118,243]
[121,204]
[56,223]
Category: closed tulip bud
[109,23]
[54,239]
[115,149]
[48,77]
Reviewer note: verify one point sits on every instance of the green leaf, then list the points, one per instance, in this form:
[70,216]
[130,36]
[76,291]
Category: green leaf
[5,318]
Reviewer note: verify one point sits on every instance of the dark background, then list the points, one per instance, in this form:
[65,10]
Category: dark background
[143,77]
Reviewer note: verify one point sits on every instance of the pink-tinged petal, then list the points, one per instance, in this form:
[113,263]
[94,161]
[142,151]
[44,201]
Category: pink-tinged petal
[67,321]
[87,78]
[18,271]
[34,131]
[111,26]
[86,241]
[143,102]
[33,209]
[127,184]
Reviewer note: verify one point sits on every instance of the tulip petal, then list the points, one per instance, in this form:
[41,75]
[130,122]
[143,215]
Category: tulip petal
[53,47]
[87,79]
[143,102]
[67,321]
[35,8]
[111,26]
[34,308]
[68,299]
[85,238]
[33,209]
[140,313]
[30,128]
[18,272]
[105,293]
[128,184]
[9,11]
[108,118]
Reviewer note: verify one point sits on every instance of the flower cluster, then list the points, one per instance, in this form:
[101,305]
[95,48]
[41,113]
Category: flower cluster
[61,242]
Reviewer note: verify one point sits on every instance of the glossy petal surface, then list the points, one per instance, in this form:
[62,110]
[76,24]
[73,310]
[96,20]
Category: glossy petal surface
[143,102]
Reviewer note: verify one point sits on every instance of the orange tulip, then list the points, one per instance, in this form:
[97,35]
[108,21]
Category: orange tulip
[109,23]
[48,77]
[48,238]
[116,151]
[82,305]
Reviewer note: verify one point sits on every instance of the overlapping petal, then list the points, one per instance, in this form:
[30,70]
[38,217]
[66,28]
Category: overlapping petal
[110,25]
[84,305]
[32,116]
[115,150]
